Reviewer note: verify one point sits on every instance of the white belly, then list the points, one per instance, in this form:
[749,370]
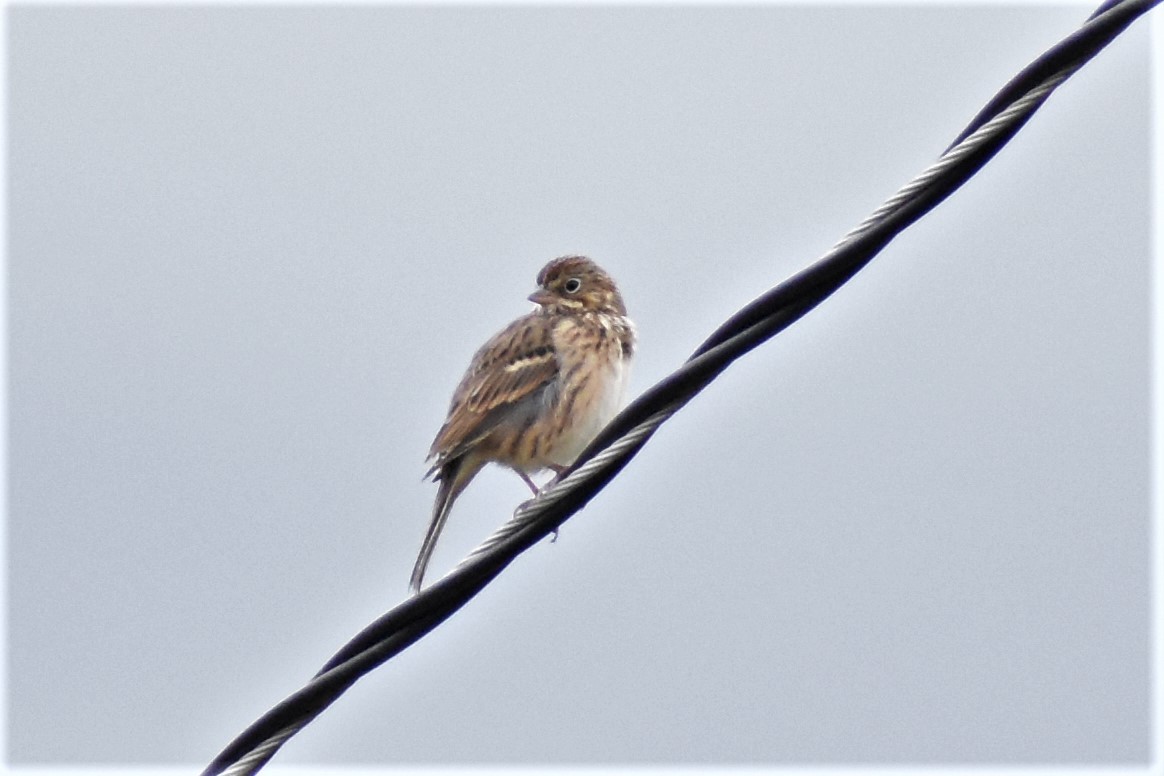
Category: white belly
[592,412]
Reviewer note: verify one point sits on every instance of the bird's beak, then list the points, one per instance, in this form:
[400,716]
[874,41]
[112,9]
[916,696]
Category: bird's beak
[541,296]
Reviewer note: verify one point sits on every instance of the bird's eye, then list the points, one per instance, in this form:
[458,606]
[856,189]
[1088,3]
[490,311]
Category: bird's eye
[572,285]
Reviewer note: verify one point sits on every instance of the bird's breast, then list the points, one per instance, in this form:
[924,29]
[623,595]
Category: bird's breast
[595,370]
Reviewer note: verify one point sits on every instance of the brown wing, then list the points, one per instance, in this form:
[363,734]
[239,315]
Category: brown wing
[518,361]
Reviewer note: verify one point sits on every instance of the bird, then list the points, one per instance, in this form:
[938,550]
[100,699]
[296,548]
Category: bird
[537,392]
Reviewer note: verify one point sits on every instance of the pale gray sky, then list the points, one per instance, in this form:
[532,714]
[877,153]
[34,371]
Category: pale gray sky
[252,249]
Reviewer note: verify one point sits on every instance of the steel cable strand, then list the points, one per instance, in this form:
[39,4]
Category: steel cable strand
[1104,24]
[621,440]
[1065,58]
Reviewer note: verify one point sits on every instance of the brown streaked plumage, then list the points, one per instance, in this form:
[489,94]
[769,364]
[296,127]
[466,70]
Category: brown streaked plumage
[537,392]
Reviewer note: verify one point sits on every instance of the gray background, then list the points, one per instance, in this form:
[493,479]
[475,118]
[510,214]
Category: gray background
[251,251]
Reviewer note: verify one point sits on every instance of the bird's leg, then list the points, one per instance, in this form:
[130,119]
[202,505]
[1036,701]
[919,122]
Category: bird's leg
[536,490]
[525,478]
[557,470]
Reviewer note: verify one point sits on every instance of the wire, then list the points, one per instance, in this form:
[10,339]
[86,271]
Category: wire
[621,440]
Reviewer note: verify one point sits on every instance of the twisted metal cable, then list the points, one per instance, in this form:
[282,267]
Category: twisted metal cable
[621,440]
[959,152]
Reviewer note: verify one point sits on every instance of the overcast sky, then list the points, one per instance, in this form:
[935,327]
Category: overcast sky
[251,251]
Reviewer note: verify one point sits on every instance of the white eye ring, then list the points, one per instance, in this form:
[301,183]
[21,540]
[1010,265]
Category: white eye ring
[572,286]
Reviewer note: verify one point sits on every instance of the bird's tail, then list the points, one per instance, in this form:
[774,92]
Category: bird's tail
[452,476]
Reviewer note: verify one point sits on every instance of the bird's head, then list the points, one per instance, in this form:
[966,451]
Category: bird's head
[576,284]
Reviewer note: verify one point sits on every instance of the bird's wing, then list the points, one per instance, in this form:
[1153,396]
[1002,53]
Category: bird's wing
[511,367]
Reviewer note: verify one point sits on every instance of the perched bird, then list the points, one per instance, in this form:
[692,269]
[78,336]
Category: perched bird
[537,392]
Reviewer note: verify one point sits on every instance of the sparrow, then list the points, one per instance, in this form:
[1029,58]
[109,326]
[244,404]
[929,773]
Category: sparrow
[536,393]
